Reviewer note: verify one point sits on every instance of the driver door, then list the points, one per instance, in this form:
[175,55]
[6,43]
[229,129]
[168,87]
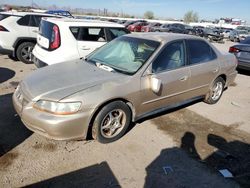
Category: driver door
[170,69]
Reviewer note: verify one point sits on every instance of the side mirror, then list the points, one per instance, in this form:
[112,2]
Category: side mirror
[155,84]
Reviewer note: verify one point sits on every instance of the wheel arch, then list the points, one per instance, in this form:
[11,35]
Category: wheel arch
[20,40]
[97,110]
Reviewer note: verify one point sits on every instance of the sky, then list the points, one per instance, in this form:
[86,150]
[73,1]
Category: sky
[206,9]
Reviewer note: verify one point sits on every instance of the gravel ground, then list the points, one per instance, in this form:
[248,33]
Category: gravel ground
[183,147]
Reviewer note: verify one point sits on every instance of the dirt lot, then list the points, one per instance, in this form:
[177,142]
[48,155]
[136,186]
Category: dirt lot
[183,147]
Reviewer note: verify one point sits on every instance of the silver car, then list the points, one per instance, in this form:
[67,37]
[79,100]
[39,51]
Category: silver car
[132,77]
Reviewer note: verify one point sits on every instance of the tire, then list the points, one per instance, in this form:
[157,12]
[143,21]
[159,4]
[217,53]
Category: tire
[112,122]
[216,91]
[24,51]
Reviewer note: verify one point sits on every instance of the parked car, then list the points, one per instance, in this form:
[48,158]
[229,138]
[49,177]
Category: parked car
[226,33]
[213,34]
[60,12]
[233,36]
[247,28]
[127,79]
[18,31]
[130,22]
[61,40]
[162,28]
[155,28]
[199,30]
[238,35]
[150,26]
[136,27]
[176,28]
[243,34]
[242,53]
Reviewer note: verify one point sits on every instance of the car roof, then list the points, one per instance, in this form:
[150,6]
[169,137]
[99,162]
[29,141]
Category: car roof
[83,22]
[162,37]
[25,13]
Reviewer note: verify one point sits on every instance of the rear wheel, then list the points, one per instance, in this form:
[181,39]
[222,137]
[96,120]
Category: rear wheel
[24,52]
[215,93]
[111,122]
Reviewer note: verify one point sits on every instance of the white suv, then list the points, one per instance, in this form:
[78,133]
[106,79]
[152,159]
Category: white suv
[62,40]
[18,32]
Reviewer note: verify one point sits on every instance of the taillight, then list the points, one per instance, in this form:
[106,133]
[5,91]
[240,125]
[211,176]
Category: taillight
[233,50]
[2,28]
[55,38]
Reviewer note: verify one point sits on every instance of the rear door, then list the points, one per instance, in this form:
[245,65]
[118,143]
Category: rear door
[203,64]
[89,39]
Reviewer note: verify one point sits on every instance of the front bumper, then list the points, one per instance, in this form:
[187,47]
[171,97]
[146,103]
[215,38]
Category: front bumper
[57,127]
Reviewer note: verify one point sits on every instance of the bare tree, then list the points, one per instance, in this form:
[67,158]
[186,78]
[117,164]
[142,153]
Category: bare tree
[149,15]
[191,16]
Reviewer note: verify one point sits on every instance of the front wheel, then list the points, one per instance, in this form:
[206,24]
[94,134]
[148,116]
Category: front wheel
[216,91]
[24,52]
[111,122]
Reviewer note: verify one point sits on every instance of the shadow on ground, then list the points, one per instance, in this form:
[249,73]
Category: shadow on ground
[205,147]
[244,72]
[12,130]
[6,74]
[99,175]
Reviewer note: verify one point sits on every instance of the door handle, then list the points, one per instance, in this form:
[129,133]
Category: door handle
[85,48]
[184,78]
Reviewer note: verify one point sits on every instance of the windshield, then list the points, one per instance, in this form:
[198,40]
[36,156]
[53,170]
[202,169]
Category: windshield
[125,54]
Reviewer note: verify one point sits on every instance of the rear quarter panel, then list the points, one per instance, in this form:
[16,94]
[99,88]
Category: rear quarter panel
[228,64]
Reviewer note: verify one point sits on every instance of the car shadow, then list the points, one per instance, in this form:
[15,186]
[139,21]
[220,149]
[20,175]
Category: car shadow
[244,72]
[12,130]
[170,110]
[162,113]
[183,167]
[6,74]
[98,175]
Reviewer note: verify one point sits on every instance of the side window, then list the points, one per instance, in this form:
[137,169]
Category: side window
[24,21]
[75,31]
[91,34]
[171,57]
[199,52]
[116,32]
[35,20]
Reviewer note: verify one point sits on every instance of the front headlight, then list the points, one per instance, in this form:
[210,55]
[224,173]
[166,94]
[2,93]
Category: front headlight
[59,108]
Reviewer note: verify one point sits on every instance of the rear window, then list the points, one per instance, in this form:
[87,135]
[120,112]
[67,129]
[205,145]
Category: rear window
[199,52]
[46,29]
[89,34]
[3,16]
[24,21]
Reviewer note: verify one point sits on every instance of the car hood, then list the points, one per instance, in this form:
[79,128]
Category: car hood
[61,80]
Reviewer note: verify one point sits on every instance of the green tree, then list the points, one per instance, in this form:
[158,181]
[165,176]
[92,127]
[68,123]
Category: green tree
[191,16]
[149,15]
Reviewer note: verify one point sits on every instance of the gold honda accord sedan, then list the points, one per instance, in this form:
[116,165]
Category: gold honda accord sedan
[132,77]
